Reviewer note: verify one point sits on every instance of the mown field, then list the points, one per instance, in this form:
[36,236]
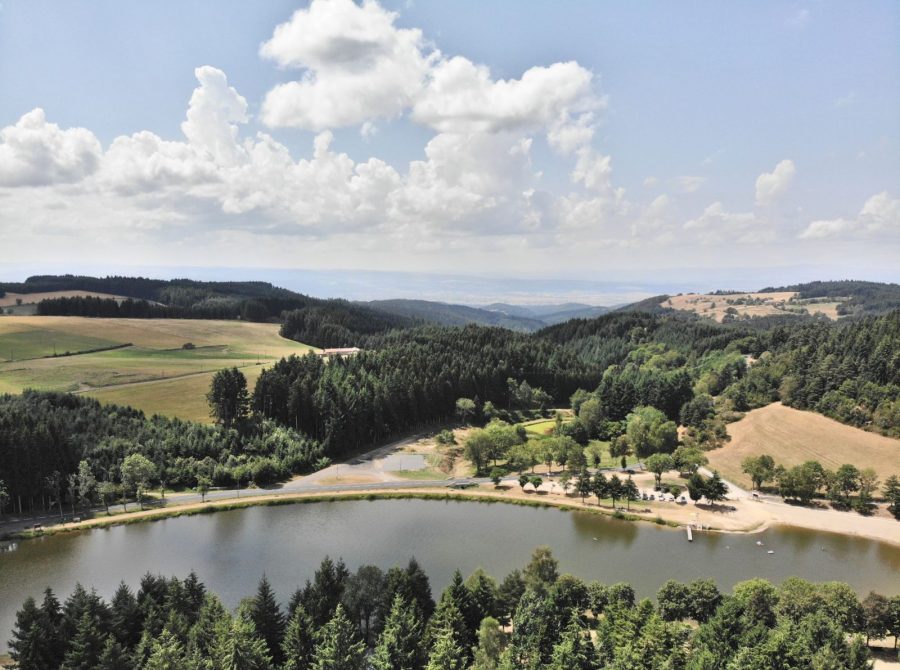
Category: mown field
[154,372]
[792,436]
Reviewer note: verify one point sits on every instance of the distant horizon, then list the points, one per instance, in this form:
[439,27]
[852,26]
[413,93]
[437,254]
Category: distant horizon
[472,289]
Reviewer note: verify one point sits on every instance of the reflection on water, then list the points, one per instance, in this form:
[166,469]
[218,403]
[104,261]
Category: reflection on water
[231,550]
[614,532]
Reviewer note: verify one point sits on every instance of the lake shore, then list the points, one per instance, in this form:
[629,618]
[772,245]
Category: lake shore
[734,516]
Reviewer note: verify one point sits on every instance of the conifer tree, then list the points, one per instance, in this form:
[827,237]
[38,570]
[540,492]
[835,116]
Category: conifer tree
[299,641]
[28,646]
[167,653]
[51,621]
[464,601]
[321,597]
[400,645]
[509,594]
[86,647]
[339,647]
[446,654]
[268,619]
[212,617]
[484,594]
[448,617]
[238,647]
[114,656]
[126,616]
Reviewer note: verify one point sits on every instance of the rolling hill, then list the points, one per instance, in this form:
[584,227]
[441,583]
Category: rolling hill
[161,366]
[550,314]
[455,315]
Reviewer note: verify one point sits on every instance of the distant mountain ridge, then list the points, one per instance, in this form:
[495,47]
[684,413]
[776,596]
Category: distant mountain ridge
[521,318]
[550,314]
[445,314]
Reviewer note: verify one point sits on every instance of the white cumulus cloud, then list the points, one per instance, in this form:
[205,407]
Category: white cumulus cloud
[770,186]
[716,225]
[356,65]
[462,97]
[213,113]
[36,153]
[879,216]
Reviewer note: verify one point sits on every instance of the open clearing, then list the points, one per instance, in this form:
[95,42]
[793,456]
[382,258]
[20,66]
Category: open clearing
[792,436]
[155,373]
[749,304]
[542,428]
[182,397]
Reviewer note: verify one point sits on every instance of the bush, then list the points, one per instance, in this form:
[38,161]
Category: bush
[264,471]
[445,437]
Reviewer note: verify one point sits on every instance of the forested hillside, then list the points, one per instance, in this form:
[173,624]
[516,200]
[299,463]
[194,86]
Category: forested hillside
[534,619]
[455,315]
[847,370]
[319,322]
[45,437]
[670,367]
[407,378]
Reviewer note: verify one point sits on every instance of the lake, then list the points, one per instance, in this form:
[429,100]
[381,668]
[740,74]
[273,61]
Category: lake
[231,550]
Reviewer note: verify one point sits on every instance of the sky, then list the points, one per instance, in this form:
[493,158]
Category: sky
[580,140]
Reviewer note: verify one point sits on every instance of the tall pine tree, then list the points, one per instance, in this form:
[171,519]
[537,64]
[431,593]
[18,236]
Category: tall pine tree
[400,645]
[299,641]
[268,619]
[339,646]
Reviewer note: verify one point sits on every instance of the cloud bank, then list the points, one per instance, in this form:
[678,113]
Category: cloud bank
[479,181]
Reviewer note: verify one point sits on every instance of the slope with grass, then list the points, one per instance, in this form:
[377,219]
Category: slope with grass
[156,372]
[179,397]
[792,436]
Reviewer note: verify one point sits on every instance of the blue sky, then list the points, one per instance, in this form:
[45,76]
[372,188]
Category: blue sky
[701,134]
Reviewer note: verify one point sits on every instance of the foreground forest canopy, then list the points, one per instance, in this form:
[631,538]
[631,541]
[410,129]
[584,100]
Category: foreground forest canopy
[533,618]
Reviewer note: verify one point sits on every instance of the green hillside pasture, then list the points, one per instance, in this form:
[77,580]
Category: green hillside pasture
[41,342]
[181,397]
[157,354]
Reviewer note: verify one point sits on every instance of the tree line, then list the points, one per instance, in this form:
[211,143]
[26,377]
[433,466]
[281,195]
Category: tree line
[409,379]
[845,487]
[534,618]
[59,449]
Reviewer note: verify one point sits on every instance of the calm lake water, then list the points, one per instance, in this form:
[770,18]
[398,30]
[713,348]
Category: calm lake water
[231,550]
